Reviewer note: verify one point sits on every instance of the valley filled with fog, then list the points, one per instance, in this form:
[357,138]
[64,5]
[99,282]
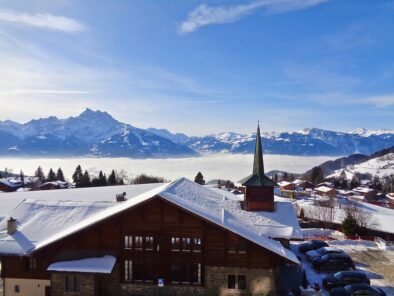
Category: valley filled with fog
[213,166]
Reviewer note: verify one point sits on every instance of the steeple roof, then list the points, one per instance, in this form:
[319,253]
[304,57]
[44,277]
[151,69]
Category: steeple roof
[258,178]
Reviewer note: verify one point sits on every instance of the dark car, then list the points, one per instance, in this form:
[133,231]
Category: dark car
[333,262]
[310,255]
[343,278]
[357,289]
[312,245]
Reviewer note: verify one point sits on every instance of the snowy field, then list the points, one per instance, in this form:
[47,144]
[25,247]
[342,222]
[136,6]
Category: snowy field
[368,258]
[228,166]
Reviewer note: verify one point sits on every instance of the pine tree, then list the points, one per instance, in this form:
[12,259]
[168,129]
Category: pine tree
[276,178]
[199,179]
[292,178]
[102,179]
[22,178]
[355,182]
[317,175]
[60,175]
[86,179]
[77,176]
[349,225]
[51,176]
[40,174]
[112,178]
[285,176]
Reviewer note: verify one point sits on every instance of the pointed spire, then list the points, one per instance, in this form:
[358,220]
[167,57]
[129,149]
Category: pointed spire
[258,164]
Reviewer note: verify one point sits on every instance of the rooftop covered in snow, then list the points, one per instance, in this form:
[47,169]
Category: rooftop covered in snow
[42,222]
[89,265]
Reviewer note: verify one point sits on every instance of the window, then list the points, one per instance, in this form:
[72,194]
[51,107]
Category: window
[197,246]
[175,244]
[17,289]
[128,242]
[186,244]
[149,245]
[236,244]
[31,264]
[236,282]
[231,281]
[71,283]
[186,273]
[139,242]
[128,270]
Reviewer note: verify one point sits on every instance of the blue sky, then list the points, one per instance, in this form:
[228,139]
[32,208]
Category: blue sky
[201,67]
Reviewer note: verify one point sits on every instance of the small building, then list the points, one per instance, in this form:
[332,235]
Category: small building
[326,184]
[7,186]
[368,193]
[54,185]
[326,191]
[390,200]
[303,184]
[284,185]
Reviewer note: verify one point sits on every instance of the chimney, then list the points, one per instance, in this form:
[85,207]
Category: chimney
[121,197]
[12,225]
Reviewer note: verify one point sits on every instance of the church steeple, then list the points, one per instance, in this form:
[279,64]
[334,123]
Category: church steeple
[259,189]
[258,164]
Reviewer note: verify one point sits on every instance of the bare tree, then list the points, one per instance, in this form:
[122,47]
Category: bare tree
[364,218]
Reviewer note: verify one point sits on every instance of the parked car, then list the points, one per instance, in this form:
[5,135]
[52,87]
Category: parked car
[312,245]
[357,289]
[322,251]
[333,262]
[343,278]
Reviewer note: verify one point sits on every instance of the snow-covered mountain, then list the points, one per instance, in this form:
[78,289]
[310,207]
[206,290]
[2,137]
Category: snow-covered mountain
[91,133]
[97,133]
[309,141]
[378,166]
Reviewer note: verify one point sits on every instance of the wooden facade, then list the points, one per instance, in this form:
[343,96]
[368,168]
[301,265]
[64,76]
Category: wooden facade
[160,239]
[259,198]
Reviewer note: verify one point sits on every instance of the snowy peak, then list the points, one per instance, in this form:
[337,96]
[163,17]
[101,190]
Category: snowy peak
[368,133]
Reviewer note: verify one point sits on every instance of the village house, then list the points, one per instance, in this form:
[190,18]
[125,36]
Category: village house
[368,193]
[304,185]
[326,191]
[284,185]
[179,238]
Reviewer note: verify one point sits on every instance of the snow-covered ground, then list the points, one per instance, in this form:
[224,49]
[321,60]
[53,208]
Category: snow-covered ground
[380,166]
[380,218]
[213,166]
[359,251]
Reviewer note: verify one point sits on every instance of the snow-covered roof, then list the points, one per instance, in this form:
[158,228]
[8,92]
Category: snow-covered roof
[324,189]
[8,182]
[10,201]
[42,223]
[363,189]
[327,184]
[283,183]
[89,265]
[390,196]
[298,181]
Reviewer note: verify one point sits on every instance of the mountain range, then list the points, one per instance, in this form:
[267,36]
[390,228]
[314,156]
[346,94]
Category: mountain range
[97,133]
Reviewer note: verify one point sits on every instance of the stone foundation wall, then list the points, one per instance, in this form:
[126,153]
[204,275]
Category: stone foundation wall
[259,282]
[86,285]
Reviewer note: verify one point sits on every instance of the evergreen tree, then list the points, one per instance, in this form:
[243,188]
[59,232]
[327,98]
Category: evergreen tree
[78,175]
[199,179]
[291,178]
[86,179]
[355,182]
[344,184]
[40,174]
[285,176]
[276,178]
[112,178]
[22,178]
[60,175]
[317,175]
[51,176]
[102,179]
[349,225]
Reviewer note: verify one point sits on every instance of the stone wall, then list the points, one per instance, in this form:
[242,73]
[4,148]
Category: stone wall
[259,282]
[86,285]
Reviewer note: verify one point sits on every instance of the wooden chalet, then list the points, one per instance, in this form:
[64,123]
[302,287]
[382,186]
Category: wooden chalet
[179,238]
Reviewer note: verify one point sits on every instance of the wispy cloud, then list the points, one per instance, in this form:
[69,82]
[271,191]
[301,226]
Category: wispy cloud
[42,21]
[204,15]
